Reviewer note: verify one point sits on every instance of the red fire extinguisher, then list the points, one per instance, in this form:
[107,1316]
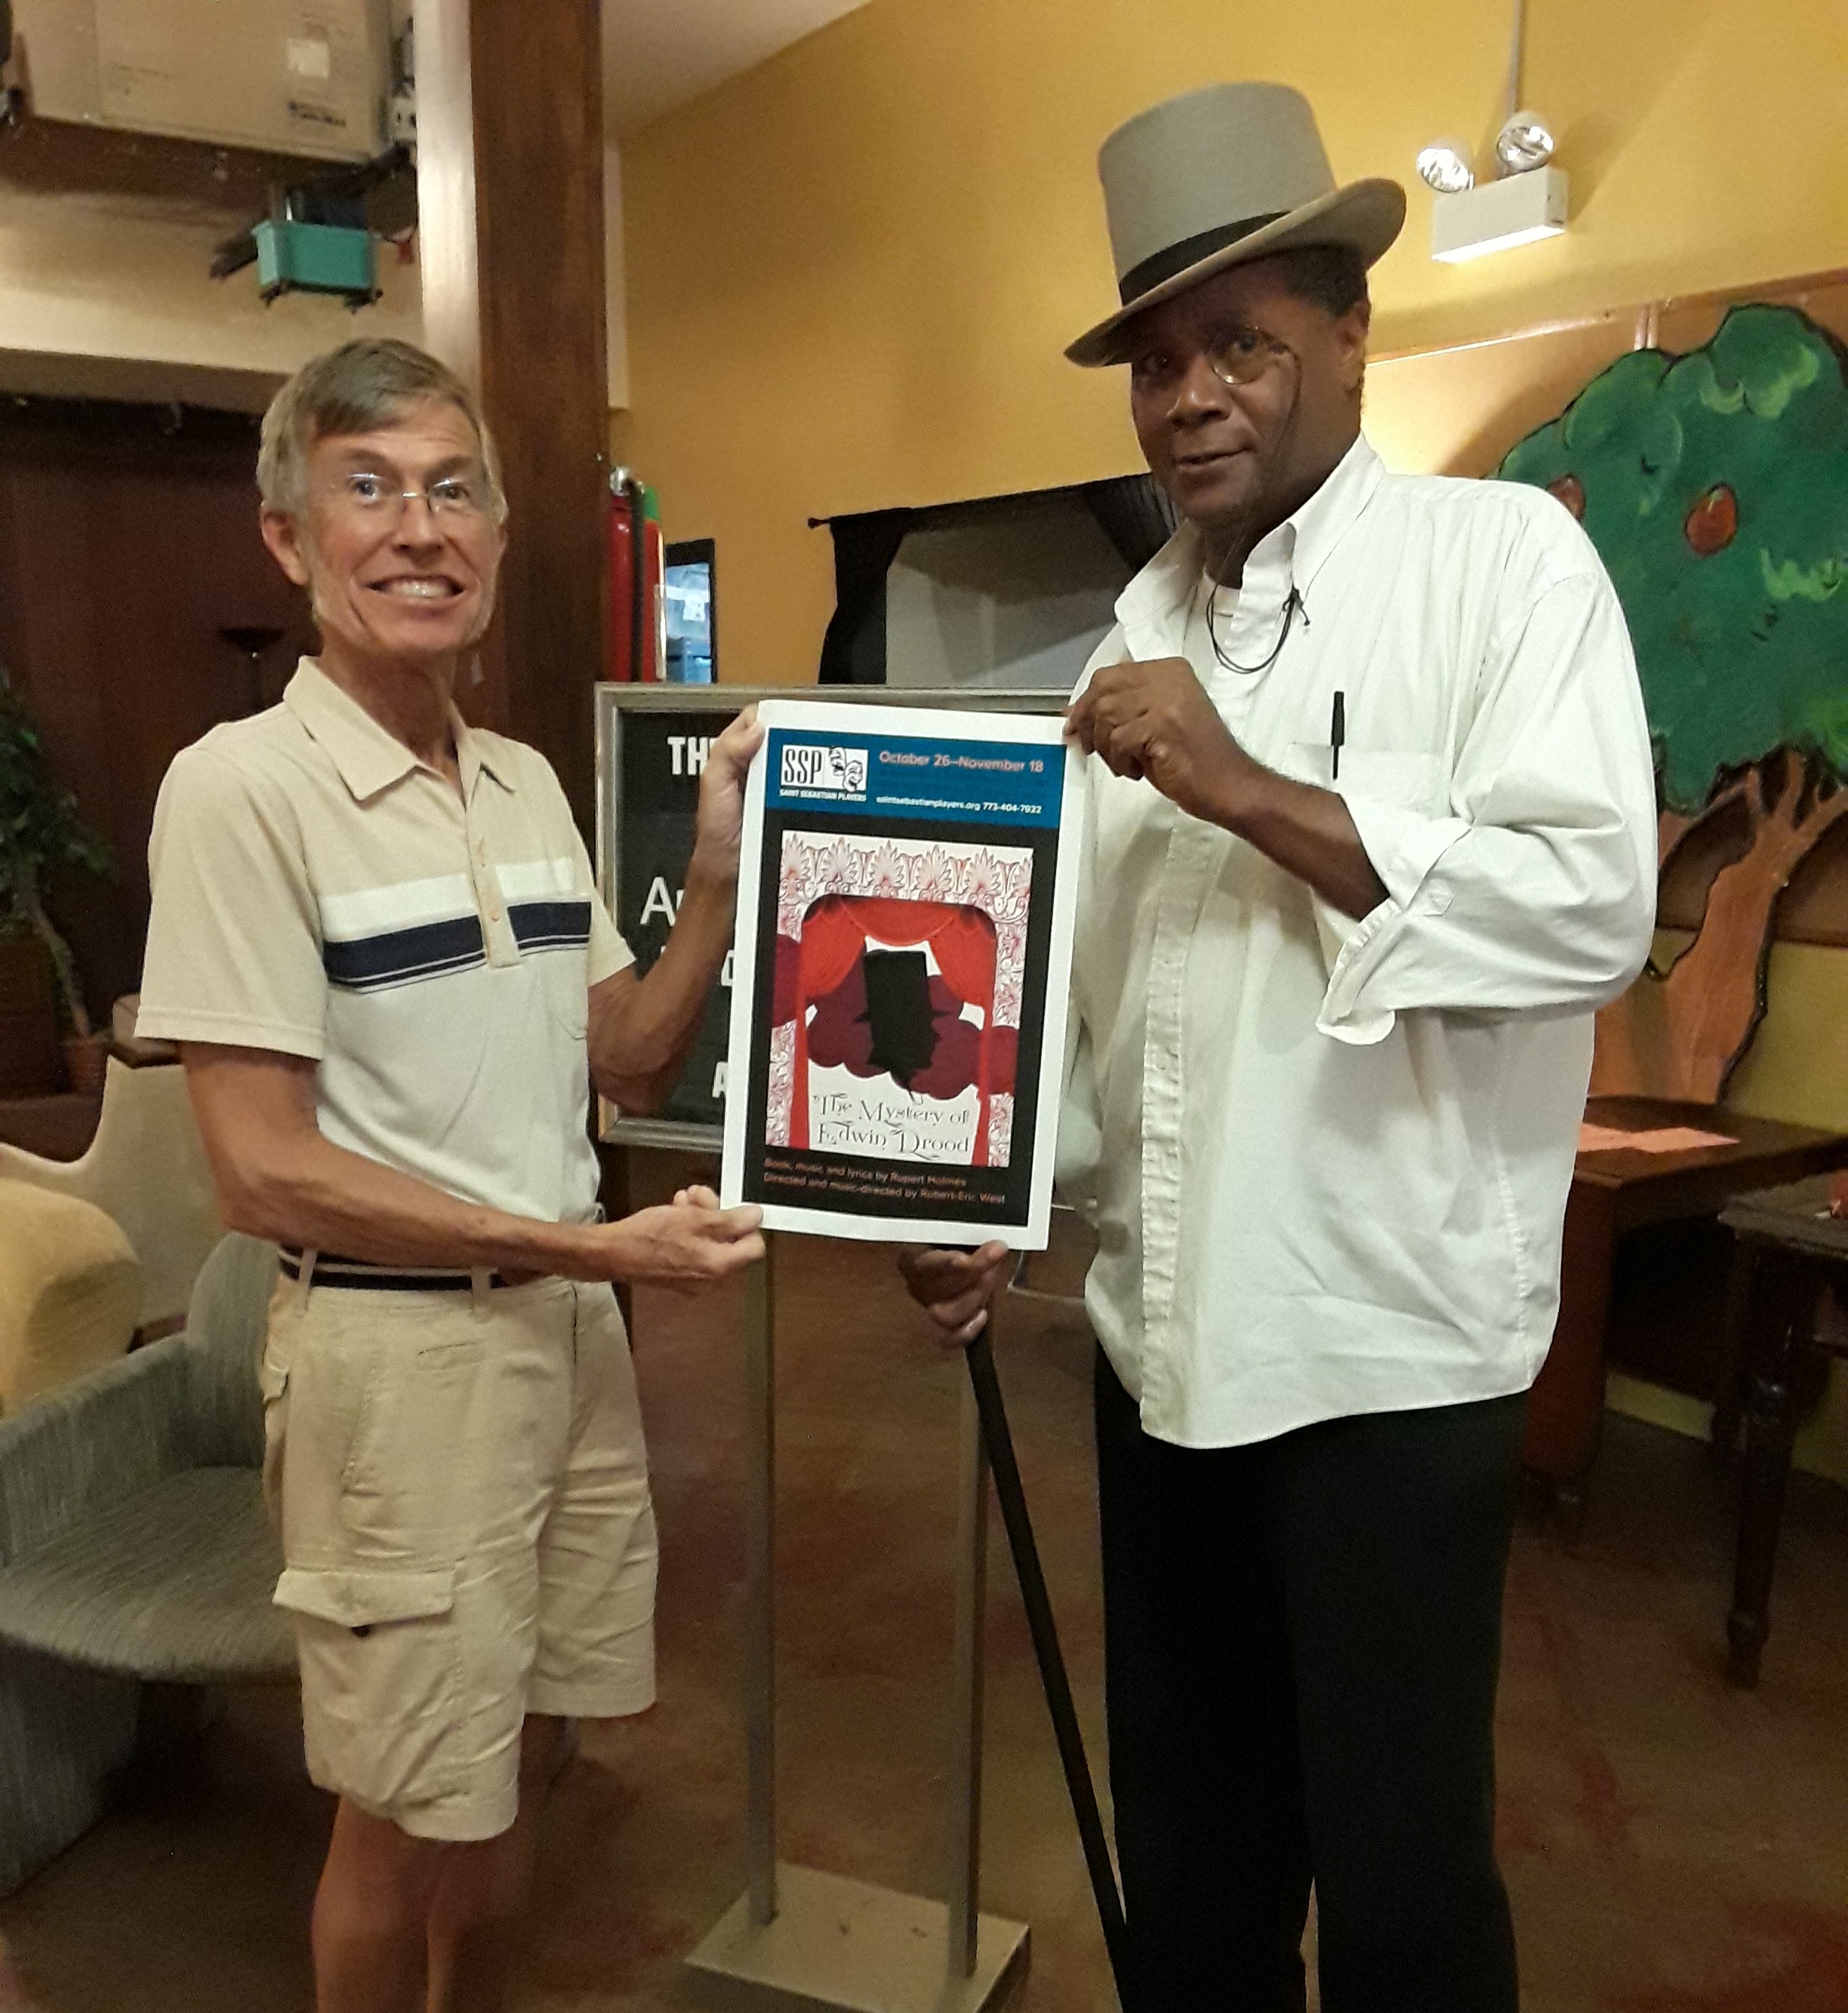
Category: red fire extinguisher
[638,606]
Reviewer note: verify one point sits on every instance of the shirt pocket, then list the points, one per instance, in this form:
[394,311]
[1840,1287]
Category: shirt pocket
[565,976]
[1411,777]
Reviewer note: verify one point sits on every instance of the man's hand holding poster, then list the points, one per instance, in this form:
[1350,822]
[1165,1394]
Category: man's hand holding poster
[905,907]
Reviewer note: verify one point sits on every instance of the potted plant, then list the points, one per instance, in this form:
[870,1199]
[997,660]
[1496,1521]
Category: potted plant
[41,830]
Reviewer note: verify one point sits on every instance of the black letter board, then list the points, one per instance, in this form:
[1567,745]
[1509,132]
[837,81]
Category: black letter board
[660,757]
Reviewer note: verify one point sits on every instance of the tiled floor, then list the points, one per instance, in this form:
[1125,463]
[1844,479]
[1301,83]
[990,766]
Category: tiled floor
[1671,1846]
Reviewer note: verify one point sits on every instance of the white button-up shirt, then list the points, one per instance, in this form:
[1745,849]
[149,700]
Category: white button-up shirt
[1328,1158]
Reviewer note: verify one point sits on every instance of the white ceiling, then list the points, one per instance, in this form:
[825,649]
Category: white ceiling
[657,54]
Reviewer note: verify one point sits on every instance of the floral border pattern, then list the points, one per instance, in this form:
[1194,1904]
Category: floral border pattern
[782,1085]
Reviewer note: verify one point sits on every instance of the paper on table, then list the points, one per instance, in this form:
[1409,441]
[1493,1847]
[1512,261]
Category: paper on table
[1662,1139]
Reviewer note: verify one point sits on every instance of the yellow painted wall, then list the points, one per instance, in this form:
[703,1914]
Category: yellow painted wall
[852,271]
[1797,1067]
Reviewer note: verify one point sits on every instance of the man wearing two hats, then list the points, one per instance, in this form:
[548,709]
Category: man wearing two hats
[1372,836]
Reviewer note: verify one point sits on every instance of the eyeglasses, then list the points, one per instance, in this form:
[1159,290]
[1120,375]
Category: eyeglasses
[1236,355]
[457,497]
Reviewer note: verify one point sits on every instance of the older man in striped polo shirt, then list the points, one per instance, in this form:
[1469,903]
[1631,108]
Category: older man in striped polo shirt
[376,935]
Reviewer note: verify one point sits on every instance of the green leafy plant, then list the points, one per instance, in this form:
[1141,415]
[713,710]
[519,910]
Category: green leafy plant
[1715,486]
[40,831]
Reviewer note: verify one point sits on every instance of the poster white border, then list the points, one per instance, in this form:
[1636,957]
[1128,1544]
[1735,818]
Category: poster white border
[933,723]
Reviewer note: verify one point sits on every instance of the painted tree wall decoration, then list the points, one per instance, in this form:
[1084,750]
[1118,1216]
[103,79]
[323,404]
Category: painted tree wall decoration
[1715,486]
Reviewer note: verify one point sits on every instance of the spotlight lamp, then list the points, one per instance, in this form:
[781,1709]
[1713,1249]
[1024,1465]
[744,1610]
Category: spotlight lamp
[1445,164]
[1525,142]
[1525,199]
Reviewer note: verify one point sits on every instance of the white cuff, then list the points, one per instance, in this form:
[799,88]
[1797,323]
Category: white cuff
[1403,846]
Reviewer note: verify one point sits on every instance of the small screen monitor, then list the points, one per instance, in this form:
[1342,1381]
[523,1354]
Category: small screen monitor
[686,586]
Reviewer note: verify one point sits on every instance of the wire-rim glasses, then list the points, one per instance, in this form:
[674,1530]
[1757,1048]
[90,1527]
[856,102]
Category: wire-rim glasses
[364,494]
[1237,356]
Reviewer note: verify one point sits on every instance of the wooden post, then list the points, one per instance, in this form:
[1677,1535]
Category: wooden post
[510,203]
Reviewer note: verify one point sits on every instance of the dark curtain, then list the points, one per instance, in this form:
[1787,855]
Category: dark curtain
[1133,513]
[853,650]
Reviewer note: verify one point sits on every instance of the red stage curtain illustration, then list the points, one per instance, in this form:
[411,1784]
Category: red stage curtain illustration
[834,933]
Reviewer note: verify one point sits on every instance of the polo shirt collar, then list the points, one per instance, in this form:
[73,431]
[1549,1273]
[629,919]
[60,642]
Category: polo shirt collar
[1153,608]
[368,757]
[476,758]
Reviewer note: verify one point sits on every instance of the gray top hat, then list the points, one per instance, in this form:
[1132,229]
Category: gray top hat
[1226,174]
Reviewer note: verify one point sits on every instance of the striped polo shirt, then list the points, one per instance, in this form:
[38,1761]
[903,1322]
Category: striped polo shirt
[320,892]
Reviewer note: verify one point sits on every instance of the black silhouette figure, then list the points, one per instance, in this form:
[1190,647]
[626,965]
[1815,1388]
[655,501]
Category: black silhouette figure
[898,1012]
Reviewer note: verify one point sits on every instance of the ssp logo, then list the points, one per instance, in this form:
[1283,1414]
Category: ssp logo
[823,771]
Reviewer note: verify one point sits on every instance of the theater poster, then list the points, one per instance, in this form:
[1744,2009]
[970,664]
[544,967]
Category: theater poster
[905,907]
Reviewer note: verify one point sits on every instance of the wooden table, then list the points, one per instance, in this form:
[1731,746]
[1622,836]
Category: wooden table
[1614,1192]
[1790,1249]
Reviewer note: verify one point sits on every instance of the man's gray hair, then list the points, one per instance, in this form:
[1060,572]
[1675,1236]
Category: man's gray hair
[363,384]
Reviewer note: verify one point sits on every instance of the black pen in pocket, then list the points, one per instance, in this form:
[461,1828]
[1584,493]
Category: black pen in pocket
[1337,733]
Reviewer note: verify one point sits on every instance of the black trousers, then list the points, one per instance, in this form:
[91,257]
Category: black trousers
[1302,1639]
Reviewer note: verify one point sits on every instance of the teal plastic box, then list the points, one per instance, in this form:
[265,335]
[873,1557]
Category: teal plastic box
[315,259]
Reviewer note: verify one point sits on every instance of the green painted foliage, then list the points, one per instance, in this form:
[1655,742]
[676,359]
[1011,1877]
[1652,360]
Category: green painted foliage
[1715,486]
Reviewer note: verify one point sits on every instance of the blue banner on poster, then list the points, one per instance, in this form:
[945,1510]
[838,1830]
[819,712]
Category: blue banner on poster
[999,782]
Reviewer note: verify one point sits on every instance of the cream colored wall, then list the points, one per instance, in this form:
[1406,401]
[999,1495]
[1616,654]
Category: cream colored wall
[122,280]
[852,271]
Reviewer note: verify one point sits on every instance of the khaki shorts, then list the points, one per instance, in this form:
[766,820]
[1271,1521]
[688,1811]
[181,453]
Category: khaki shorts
[463,1494]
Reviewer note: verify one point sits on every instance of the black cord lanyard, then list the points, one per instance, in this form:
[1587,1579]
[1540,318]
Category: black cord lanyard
[1293,606]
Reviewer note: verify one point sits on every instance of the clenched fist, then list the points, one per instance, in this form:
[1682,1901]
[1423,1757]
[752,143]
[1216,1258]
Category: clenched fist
[954,1288]
[720,824]
[1154,722]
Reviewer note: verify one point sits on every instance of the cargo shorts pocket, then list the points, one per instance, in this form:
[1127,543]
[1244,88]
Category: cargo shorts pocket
[379,1678]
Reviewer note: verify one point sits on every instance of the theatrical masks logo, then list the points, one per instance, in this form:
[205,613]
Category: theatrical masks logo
[817,771]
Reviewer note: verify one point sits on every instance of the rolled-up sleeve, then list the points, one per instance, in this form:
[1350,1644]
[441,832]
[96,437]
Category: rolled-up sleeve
[1535,889]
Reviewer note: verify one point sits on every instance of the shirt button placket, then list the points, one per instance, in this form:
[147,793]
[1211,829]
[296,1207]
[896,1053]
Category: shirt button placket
[501,948]
[1182,893]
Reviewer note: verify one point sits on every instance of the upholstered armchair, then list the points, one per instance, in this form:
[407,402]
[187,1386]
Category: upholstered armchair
[70,1291]
[133,1547]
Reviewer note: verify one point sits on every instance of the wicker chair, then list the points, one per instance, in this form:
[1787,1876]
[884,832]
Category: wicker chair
[133,1548]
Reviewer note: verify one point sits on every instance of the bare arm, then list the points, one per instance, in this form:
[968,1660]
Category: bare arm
[1309,832]
[1154,721]
[641,1030]
[278,1178]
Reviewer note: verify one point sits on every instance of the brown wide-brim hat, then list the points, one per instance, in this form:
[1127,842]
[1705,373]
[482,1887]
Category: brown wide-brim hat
[1227,174]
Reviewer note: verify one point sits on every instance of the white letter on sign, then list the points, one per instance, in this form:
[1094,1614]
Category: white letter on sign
[660,903]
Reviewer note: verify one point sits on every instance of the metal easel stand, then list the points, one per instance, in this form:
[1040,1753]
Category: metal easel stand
[802,1941]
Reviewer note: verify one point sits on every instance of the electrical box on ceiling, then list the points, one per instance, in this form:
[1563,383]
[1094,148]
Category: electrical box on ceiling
[292,76]
[1497,215]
